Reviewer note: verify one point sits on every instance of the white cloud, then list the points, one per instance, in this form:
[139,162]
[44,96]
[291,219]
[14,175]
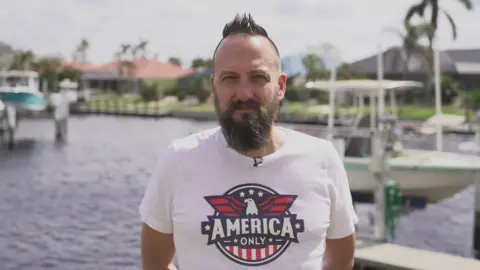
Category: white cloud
[190,28]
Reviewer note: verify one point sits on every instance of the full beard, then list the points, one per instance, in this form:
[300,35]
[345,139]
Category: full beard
[252,132]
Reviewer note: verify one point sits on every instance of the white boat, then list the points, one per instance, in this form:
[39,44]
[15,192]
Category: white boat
[20,89]
[432,175]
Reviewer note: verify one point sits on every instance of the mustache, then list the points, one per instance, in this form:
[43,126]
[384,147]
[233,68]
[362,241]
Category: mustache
[247,104]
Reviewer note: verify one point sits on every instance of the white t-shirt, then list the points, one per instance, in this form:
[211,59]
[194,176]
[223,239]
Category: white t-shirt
[226,213]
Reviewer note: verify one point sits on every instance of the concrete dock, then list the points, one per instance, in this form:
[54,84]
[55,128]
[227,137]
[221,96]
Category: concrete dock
[370,256]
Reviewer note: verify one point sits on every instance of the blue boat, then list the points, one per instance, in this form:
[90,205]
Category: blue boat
[21,90]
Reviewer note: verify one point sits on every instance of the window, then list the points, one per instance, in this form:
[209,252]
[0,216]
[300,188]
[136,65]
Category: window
[15,81]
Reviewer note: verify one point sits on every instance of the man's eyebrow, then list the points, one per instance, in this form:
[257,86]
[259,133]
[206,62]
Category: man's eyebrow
[256,71]
[260,72]
[251,72]
[228,72]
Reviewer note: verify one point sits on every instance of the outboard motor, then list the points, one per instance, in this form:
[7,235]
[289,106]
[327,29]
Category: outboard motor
[393,135]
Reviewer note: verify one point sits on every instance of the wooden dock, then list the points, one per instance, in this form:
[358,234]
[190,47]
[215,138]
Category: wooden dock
[387,256]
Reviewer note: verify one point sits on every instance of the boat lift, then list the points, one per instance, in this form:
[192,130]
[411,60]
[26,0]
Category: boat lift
[384,136]
[60,102]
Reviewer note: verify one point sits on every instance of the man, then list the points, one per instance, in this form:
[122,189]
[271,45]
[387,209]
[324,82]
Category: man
[248,194]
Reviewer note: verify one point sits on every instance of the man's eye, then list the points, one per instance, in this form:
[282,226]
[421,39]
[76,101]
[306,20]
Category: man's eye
[259,77]
[228,78]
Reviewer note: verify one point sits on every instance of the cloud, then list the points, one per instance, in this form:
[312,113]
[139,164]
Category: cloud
[193,28]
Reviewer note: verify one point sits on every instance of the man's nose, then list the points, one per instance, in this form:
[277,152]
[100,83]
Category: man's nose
[244,92]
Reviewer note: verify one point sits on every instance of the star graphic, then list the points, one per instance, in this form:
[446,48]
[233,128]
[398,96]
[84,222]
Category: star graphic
[297,226]
[242,194]
[260,194]
[207,228]
[251,191]
[270,239]
[235,240]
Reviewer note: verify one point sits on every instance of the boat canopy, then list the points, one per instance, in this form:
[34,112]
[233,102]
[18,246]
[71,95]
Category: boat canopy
[362,87]
[19,73]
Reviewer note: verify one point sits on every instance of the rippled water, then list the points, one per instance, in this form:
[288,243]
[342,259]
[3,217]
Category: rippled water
[74,205]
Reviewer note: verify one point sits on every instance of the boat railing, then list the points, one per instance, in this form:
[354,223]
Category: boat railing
[354,128]
[338,131]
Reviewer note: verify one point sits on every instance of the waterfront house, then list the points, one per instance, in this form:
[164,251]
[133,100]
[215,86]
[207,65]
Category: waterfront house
[461,64]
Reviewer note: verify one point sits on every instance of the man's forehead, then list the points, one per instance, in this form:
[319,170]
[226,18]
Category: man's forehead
[250,64]
[245,41]
[255,51]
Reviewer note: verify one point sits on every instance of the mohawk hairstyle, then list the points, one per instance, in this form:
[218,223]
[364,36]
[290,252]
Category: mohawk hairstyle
[245,25]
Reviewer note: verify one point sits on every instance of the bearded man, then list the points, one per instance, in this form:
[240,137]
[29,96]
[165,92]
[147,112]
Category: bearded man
[248,193]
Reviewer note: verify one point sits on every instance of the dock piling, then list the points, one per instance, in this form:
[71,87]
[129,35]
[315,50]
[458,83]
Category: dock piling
[476,217]
[11,124]
[381,170]
[61,111]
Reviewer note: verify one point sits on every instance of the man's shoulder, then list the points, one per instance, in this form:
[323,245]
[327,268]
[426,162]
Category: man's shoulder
[315,149]
[197,141]
[306,141]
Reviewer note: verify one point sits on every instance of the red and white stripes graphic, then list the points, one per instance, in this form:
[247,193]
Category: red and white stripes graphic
[253,254]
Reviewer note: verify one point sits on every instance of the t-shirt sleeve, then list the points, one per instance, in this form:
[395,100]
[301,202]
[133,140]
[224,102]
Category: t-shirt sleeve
[157,203]
[342,216]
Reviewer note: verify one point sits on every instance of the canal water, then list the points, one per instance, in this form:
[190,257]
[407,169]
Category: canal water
[74,205]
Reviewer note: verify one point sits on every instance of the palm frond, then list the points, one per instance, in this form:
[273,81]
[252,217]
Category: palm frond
[452,24]
[467,3]
[418,9]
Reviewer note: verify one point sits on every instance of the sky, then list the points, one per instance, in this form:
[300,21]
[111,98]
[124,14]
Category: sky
[192,28]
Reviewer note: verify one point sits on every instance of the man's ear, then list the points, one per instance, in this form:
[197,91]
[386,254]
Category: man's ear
[282,86]
[212,86]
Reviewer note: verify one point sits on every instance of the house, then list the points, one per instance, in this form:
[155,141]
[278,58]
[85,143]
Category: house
[186,81]
[462,65]
[108,76]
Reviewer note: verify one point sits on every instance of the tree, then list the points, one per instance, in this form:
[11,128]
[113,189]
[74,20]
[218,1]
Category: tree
[125,63]
[81,51]
[428,30]
[48,67]
[209,63]
[201,87]
[141,47]
[314,66]
[175,61]
[412,47]
[420,8]
[202,63]
[198,62]
[22,60]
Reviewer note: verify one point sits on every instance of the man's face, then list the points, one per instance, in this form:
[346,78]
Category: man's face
[247,86]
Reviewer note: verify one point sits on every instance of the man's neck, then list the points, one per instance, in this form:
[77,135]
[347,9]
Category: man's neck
[276,141]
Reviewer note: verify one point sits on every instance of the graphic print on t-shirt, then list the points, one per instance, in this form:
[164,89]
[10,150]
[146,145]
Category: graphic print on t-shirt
[252,224]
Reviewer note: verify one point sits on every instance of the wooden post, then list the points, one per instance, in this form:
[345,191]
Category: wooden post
[380,167]
[476,220]
[3,121]
[476,217]
[61,113]
[11,114]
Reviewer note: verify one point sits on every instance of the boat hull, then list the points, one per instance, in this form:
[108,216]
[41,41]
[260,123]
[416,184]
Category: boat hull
[433,184]
[24,100]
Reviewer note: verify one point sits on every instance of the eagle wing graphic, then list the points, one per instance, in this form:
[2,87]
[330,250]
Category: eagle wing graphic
[276,205]
[226,205]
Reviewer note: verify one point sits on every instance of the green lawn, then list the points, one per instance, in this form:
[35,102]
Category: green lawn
[405,112]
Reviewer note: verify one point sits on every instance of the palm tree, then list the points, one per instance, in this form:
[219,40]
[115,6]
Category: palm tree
[419,9]
[81,50]
[23,60]
[126,61]
[411,46]
[142,48]
[47,67]
[429,29]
